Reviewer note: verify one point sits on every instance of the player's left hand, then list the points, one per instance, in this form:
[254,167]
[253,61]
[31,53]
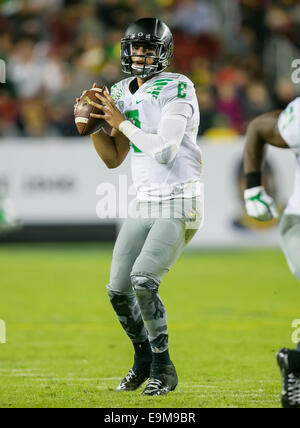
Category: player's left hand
[110,112]
[260,205]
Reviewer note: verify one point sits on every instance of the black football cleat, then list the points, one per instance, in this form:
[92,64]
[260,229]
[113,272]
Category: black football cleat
[290,396]
[163,379]
[135,378]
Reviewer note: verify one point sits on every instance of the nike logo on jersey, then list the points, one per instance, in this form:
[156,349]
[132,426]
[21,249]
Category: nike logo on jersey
[139,101]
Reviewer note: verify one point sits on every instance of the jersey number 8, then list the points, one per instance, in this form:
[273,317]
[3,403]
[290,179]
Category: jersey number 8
[182,90]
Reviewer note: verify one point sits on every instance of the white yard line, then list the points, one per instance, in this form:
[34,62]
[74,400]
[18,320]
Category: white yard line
[17,370]
[44,377]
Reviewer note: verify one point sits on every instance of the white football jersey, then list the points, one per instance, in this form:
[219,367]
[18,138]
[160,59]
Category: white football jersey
[181,177]
[289,127]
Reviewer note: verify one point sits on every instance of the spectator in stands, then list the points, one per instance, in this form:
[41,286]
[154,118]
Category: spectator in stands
[257,100]
[206,102]
[228,101]
[9,113]
[25,70]
[56,48]
[281,48]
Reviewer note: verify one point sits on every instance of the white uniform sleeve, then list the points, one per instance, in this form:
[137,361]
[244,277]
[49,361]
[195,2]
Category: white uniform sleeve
[289,125]
[164,145]
[180,90]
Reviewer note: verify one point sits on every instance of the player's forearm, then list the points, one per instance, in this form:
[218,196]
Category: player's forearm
[111,149]
[254,148]
[262,131]
[105,148]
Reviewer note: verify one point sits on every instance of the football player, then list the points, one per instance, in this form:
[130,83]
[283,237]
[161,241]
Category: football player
[155,117]
[8,219]
[279,129]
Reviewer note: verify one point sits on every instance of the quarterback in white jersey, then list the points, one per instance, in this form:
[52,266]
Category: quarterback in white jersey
[160,108]
[280,129]
[154,116]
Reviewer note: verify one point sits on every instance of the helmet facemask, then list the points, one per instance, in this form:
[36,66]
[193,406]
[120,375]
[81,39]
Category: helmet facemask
[160,58]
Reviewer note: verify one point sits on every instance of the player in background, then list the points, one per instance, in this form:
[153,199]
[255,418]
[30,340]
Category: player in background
[279,129]
[155,116]
[8,219]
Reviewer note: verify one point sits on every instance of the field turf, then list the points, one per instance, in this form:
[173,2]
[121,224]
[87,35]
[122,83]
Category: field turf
[228,313]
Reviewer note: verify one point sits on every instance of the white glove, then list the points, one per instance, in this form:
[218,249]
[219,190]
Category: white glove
[260,205]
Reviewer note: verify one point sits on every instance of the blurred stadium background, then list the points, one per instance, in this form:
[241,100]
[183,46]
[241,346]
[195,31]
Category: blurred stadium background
[239,54]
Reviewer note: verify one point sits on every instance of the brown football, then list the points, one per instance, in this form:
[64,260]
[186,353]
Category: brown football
[85,124]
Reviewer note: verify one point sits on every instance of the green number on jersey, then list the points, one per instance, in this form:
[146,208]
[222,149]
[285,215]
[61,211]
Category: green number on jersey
[134,115]
[182,89]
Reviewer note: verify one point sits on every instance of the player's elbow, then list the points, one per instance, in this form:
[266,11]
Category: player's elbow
[111,164]
[254,126]
[167,155]
[263,126]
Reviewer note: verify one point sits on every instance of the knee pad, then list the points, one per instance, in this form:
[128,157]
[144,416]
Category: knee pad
[145,289]
[143,284]
[121,303]
[112,294]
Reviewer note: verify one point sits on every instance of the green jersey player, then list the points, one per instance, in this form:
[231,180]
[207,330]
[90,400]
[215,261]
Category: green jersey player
[155,117]
[280,129]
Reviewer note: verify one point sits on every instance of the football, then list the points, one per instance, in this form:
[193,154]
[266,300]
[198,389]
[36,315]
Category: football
[85,124]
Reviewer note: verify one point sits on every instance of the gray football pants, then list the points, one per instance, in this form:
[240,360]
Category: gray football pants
[145,250]
[290,235]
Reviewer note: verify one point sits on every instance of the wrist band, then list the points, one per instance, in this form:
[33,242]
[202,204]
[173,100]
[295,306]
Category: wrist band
[127,128]
[253,179]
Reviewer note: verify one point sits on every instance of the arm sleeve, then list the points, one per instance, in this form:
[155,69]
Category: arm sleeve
[163,146]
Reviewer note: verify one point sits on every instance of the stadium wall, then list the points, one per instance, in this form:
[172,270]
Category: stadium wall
[63,192]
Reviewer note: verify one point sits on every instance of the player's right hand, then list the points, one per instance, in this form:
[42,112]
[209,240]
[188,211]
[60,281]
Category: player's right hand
[260,205]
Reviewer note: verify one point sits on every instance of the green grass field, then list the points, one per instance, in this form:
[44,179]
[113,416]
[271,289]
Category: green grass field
[228,313]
